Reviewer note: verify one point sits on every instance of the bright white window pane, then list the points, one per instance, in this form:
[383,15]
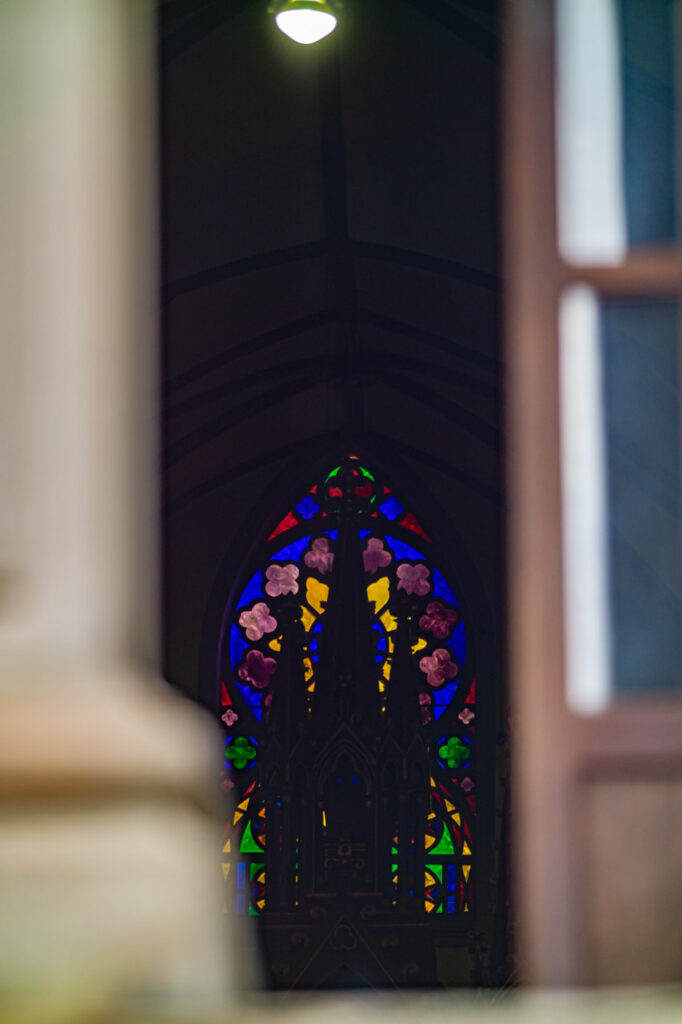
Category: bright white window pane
[589,132]
[588,670]
[622,498]
[617,152]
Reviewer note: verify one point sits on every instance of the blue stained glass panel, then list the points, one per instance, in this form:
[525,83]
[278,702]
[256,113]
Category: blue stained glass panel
[402,550]
[241,903]
[442,698]
[292,552]
[442,589]
[451,876]
[391,508]
[364,533]
[457,642]
[307,508]
[241,875]
[237,645]
[252,590]
[451,905]
[331,533]
[252,699]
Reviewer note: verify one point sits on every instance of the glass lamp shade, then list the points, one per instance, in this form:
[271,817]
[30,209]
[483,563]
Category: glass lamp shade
[305,21]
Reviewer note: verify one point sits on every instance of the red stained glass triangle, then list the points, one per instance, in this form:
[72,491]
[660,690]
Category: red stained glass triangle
[286,524]
[313,489]
[410,522]
[471,698]
[225,696]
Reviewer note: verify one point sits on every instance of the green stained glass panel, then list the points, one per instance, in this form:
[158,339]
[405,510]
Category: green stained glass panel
[444,846]
[435,869]
[248,843]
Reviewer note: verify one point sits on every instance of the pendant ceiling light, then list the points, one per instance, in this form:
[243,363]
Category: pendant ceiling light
[305,21]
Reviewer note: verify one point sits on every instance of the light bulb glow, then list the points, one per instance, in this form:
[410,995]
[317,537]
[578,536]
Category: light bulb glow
[305,25]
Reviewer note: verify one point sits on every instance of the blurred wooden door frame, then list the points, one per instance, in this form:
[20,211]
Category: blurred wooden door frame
[568,770]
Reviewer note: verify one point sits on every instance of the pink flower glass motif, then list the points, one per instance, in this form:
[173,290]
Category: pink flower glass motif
[467,784]
[281,579]
[413,579]
[227,785]
[438,667]
[230,717]
[438,619]
[257,669]
[257,620]
[319,557]
[466,715]
[375,556]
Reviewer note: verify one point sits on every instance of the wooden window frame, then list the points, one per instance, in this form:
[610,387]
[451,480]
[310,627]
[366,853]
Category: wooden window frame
[555,752]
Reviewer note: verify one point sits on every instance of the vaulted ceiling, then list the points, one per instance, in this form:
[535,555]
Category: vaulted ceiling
[330,272]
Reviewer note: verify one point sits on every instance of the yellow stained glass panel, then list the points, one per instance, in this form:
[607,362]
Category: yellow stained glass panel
[227,848]
[466,849]
[316,594]
[388,621]
[276,644]
[378,593]
[466,871]
[226,871]
[420,644]
[307,617]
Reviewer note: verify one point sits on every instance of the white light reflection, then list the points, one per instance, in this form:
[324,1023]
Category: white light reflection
[583,464]
[591,210]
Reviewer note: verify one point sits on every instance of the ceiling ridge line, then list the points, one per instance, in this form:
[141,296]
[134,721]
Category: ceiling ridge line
[249,345]
[223,391]
[246,265]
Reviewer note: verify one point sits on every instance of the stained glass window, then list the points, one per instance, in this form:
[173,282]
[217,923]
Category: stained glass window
[273,648]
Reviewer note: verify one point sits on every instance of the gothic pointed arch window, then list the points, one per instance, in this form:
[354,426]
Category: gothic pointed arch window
[348,700]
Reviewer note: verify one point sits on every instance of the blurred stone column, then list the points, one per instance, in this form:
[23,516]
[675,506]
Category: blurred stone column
[108,837]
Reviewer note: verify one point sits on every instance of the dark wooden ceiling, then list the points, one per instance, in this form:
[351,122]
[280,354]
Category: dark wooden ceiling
[330,273]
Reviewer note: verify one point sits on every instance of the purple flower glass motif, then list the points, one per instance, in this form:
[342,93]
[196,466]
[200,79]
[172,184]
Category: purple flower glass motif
[319,557]
[257,620]
[230,717]
[425,707]
[281,579]
[438,619]
[375,556]
[256,669]
[467,784]
[227,785]
[413,579]
[466,715]
[438,667]
[307,508]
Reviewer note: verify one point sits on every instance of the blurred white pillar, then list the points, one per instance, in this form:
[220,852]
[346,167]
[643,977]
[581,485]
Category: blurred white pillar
[108,852]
